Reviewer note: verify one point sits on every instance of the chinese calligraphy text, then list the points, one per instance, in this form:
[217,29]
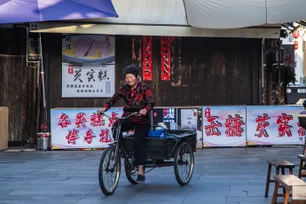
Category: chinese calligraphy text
[147,56]
[212,128]
[261,125]
[165,58]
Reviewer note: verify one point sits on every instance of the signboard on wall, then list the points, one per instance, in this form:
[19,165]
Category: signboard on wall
[224,126]
[191,118]
[81,128]
[88,66]
[268,125]
[166,116]
[288,55]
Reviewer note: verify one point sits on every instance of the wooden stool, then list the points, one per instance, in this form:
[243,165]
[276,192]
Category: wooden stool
[298,195]
[278,164]
[302,169]
[287,182]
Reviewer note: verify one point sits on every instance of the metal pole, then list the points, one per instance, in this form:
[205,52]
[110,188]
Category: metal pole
[42,73]
[263,68]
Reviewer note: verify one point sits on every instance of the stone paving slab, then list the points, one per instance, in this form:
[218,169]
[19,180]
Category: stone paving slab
[221,176]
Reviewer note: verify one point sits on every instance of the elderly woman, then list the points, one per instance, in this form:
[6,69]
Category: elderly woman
[138,98]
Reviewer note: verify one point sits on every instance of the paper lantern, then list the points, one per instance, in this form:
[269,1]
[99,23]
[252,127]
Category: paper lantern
[296,34]
[296,45]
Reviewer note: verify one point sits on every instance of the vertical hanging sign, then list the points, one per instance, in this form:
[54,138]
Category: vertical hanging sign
[165,58]
[147,57]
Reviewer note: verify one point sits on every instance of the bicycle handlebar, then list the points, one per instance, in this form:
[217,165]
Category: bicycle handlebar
[121,118]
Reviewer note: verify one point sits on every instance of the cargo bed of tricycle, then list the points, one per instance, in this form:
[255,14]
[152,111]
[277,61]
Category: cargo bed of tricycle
[164,148]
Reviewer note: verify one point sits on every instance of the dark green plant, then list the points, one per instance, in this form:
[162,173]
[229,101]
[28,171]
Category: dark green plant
[289,75]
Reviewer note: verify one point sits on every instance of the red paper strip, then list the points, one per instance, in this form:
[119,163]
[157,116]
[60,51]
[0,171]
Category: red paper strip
[165,58]
[147,57]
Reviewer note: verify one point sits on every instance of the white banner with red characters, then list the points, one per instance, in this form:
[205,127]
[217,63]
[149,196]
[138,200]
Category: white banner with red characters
[268,125]
[224,126]
[81,128]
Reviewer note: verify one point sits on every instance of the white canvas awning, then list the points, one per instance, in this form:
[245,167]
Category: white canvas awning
[220,14]
[156,30]
[156,18]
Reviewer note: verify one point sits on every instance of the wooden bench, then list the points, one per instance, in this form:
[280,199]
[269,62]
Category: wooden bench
[289,182]
[302,168]
[279,164]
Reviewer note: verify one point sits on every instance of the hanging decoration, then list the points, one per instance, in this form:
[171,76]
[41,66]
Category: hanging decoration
[165,58]
[296,33]
[296,45]
[136,51]
[106,38]
[147,57]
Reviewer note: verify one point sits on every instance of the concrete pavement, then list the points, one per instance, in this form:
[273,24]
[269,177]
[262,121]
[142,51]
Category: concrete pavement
[222,175]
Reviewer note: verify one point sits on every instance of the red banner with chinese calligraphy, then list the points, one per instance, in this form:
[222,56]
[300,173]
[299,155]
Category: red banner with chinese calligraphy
[268,125]
[147,55]
[165,58]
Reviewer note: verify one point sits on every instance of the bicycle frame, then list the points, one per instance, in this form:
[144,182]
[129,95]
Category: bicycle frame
[116,135]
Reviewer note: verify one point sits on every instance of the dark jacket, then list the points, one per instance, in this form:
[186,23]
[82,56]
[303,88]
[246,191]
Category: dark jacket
[135,100]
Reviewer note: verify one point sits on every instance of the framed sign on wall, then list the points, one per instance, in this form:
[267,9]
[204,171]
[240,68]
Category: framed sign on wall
[88,66]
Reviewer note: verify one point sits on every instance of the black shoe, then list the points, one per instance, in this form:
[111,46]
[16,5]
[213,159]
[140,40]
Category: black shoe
[140,179]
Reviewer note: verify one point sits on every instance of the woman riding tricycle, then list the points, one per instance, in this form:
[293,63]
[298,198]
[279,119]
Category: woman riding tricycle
[140,151]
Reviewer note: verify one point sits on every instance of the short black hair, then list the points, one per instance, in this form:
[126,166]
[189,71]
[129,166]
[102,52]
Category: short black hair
[131,69]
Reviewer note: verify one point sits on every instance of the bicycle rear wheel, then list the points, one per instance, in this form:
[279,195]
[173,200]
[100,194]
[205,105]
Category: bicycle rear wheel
[183,163]
[109,171]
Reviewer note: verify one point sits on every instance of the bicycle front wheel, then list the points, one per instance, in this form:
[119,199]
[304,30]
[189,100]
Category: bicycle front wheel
[109,171]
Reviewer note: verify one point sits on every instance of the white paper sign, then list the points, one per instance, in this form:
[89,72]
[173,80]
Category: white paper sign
[189,118]
[88,81]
